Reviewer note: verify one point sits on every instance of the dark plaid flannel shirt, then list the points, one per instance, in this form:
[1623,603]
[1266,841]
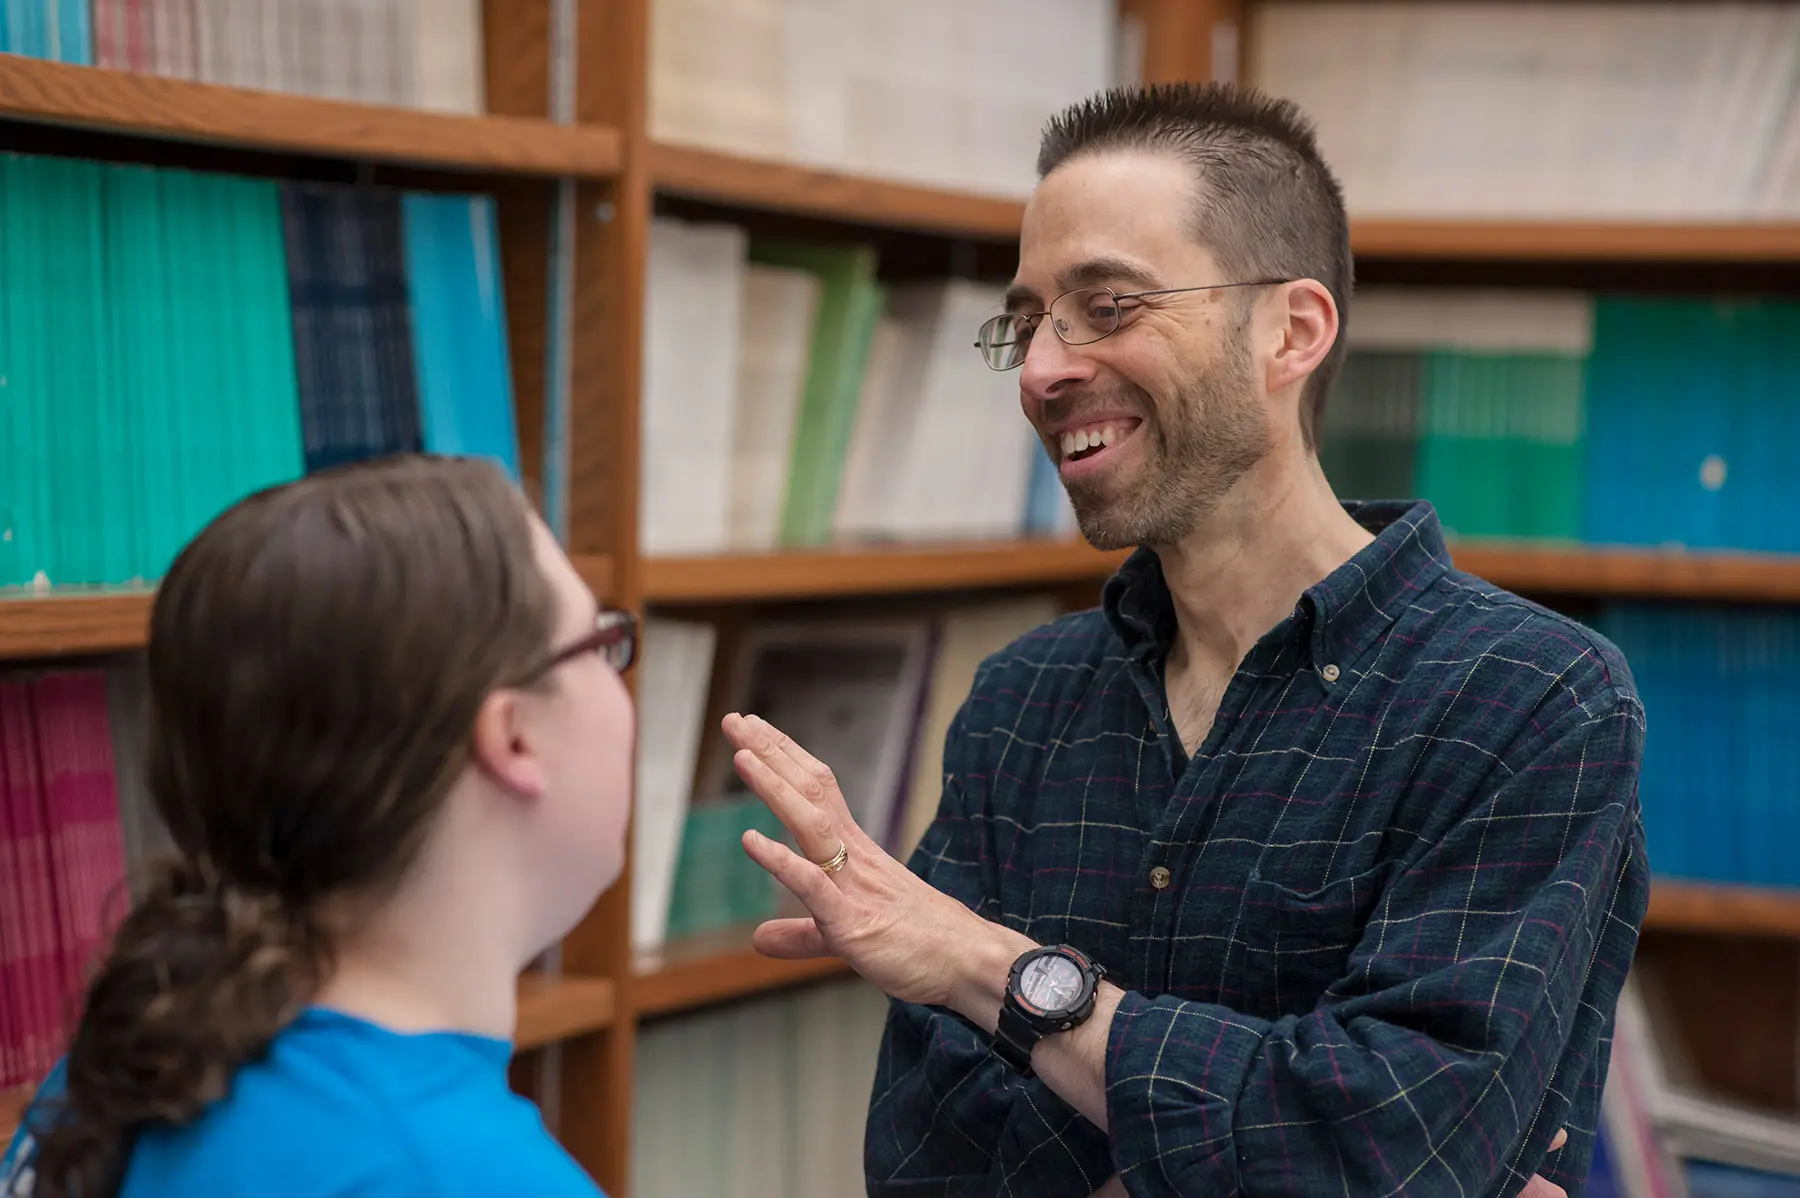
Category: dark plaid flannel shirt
[1408,876]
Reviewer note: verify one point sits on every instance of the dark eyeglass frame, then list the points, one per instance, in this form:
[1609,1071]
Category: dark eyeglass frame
[983,337]
[615,639]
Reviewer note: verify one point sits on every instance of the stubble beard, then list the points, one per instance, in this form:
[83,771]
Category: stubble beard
[1196,448]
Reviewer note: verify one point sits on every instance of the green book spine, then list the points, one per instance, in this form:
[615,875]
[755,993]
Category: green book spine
[868,301]
[73,321]
[14,449]
[27,368]
[823,419]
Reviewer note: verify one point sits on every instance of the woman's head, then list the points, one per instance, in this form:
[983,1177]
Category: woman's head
[354,679]
[330,659]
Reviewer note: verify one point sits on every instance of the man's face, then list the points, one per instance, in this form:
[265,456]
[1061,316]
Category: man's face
[1173,393]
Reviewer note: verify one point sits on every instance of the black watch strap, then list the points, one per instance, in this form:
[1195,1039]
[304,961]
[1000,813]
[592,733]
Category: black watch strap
[1014,1038]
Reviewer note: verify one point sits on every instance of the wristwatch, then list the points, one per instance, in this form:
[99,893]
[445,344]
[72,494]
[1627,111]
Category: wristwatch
[1050,989]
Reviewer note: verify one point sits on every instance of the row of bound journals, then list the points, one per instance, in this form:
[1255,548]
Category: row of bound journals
[794,398]
[948,93]
[63,847]
[1571,417]
[1597,110]
[411,53]
[171,341]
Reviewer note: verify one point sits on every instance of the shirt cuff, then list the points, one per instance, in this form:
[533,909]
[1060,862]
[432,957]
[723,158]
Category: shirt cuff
[1174,1071]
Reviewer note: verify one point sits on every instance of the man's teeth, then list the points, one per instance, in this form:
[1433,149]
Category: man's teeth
[1090,438]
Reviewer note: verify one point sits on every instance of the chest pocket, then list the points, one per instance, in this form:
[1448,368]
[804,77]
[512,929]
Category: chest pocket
[1296,945]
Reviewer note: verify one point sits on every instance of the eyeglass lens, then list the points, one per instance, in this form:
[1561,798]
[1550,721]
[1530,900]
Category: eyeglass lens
[1078,318]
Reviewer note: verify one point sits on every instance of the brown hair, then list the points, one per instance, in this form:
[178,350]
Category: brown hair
[317,658]
[1267,205]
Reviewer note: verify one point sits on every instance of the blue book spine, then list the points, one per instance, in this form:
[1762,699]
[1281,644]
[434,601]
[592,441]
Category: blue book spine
[459,328]
[72,33]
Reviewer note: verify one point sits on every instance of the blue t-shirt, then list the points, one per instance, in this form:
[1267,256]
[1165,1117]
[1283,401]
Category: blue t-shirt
[343,1107]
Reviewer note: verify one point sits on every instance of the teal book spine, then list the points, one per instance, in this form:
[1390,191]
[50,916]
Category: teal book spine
[458,309]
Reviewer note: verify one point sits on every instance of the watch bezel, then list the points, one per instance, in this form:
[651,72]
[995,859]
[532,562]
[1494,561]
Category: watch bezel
[1058,1018]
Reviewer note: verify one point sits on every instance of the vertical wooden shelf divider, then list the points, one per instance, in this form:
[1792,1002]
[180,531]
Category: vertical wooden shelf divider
[593,1097]
[611,242]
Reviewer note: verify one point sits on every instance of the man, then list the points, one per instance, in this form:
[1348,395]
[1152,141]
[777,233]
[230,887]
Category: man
[1353,835]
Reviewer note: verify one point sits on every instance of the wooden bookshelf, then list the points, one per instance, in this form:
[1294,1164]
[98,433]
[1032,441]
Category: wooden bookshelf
[781,187]
[554,1009]
[53,93]
[79,623]
[1734,911]
[718,967]
[593,1011]
[872,570]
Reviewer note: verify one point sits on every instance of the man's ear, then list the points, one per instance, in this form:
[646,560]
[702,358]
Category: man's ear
[503,747]
[1306,327]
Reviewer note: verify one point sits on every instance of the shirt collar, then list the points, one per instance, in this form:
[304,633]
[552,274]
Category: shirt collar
[1339,616]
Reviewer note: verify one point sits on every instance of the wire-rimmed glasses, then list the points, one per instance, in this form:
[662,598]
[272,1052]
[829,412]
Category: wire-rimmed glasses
[1080,317]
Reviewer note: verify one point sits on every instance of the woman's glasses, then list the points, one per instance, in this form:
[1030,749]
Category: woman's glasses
[615,639]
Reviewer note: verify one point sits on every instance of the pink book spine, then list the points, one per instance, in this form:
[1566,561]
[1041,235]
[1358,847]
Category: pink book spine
[75,749]
[139,38]
[14,1006]
[107,18]
[40,959]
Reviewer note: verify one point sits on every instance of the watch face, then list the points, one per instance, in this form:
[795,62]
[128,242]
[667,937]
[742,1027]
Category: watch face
[1051,983]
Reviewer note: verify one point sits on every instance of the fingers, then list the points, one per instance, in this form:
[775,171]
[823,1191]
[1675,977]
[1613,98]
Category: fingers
[1562,1137]
[809,776]
[815,829]
[790,939]
[804,880]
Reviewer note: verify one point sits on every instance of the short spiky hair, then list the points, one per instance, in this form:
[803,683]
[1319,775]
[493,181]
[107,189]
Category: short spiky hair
[1267,205]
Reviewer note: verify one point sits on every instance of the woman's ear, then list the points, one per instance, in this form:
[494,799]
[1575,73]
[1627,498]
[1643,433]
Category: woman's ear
[1306,327]
[503,745]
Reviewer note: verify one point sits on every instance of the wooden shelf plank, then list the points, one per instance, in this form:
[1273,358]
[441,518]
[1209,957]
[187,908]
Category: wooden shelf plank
[1575,241]
[553,1009]
[74,623]
[111,101]
[1723,910]
[779,187]
[1669,574]
[866,570]
[718,967]
[58,625]
[12,1108]
[871,570]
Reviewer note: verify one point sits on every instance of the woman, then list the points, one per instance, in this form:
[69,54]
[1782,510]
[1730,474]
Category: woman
[388,735]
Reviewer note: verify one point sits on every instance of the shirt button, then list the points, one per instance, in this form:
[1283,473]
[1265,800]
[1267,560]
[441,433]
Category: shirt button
[1330,672]
[1160,877]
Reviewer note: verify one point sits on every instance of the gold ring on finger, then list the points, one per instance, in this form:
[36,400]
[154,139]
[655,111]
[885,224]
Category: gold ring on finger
[837,861]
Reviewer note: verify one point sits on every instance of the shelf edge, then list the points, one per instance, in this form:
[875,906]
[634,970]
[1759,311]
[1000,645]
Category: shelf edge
[152,106]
